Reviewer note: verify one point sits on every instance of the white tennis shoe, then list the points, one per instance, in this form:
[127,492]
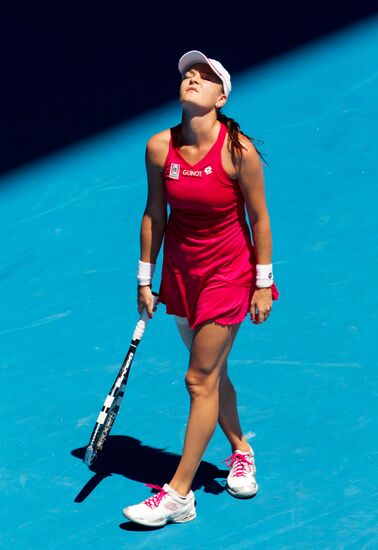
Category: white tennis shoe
[241,482]
[166,506]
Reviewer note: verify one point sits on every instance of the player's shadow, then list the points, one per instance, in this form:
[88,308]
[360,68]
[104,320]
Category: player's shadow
[129,457]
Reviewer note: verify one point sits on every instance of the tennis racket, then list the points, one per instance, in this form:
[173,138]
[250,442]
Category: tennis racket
[112,403]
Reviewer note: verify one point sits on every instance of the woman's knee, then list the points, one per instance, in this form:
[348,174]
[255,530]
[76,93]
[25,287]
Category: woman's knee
[208,358]
[201,381]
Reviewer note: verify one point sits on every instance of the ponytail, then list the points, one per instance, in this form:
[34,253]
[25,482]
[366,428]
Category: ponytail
[233,130]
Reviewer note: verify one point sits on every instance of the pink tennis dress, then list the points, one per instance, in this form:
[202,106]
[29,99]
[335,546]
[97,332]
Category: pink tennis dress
[209,264]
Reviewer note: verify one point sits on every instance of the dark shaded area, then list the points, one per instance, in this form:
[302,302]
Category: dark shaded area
[129,457]
[72,69]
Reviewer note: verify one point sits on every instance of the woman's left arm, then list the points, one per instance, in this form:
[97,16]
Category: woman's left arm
[251,182]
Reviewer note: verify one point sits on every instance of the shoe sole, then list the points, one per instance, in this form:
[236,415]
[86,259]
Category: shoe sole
[161,524]
[241,495]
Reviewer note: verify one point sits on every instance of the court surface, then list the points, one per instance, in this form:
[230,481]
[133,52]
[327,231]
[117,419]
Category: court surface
[306,379]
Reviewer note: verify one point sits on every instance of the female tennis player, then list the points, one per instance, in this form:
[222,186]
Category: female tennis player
[213,275]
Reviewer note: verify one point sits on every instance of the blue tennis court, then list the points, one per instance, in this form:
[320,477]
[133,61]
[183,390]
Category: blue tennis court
[306,379]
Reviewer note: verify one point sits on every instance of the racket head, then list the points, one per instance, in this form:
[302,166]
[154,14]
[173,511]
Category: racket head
[101,431]
[102,428]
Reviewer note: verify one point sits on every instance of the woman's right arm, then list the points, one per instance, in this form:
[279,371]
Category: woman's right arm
[154,218]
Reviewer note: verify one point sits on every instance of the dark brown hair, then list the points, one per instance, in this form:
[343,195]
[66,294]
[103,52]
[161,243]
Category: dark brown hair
[233,129]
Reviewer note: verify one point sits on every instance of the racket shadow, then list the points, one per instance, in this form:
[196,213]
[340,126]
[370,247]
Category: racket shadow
[127,456]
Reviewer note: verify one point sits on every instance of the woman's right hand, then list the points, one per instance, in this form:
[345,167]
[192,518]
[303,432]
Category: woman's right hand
[145,299]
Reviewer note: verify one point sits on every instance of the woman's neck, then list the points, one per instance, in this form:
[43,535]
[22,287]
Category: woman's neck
[198,129]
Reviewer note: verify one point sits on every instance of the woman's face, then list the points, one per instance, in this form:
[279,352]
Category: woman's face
[201,87]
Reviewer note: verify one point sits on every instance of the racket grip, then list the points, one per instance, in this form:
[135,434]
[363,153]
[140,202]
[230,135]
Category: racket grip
[143,320]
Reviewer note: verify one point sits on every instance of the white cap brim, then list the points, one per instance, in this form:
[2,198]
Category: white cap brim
[195,56]
[189,58]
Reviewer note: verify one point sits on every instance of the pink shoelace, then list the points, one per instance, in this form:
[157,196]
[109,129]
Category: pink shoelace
[239,463]
[155,500]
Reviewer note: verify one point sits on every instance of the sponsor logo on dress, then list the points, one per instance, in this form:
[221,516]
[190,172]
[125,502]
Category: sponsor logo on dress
[174,171]
[192,173]
[208,170]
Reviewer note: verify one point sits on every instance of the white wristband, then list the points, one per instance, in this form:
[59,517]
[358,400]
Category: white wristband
[264,275]
[145,273]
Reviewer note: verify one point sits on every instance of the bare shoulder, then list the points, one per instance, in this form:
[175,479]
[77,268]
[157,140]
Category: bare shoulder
[251,174]
[249,164]
[249,152]
[246,158]
[157,148]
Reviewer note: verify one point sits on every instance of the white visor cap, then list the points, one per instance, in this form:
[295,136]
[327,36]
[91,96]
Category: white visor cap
[194,56]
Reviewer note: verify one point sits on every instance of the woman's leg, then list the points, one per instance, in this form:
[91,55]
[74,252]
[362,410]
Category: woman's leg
[228,413]
[209,350]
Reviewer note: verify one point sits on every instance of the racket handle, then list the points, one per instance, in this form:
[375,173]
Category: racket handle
[143,319]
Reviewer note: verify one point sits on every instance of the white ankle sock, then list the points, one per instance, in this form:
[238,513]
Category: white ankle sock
[176,493]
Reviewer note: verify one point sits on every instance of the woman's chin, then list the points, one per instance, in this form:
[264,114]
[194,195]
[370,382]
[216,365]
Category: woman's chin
[188,100]
[189,104]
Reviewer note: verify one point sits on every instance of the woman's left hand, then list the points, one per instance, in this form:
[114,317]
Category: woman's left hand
[262,302]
